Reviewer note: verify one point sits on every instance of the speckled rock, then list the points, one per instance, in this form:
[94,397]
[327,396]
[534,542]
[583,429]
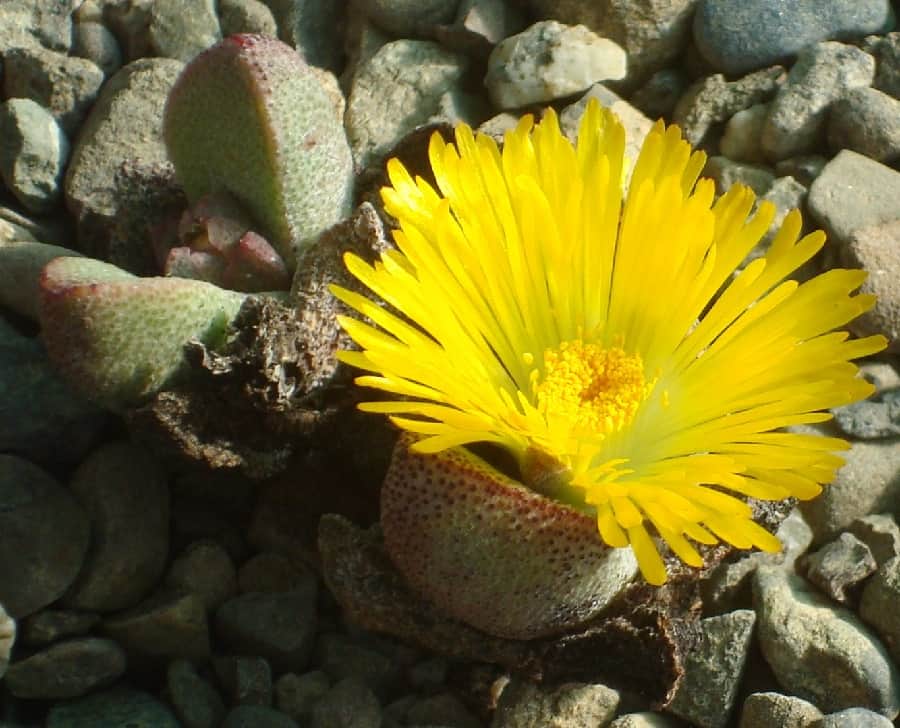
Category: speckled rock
[206,569]
[44,535]
[342,657]
[196,702]
[645,720]
[129,20]
[94,42]
[112,709]
[868,483]
[871,419]
[878,604]
[64,85]
[658,96]
[786,194]
[166,626]
[741,139]
[7,639]
[348,704]
[727,173]
[296,694]
[867,121]
[853,192]
[887,74]
[804,168]
[51,625]
[766,710]
[839,566]
[25,23]
[877,249]
[183,28]
[492,20]
[713,670]
[280,627]
[408,17]
[736,36]
[313,28]
[525,705]
[880,533]
[713,100]
[33,154]
[405,84]
[246,680]
[798,115]
[246,16]
[124,123]
[549,61]
[821,652]
[125,493]
[67,669]
[41,418]
[854,718]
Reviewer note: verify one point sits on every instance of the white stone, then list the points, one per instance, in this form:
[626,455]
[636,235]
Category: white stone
[741,140]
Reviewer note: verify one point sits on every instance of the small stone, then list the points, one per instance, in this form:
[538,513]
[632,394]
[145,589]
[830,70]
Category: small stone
[44,536]
[869,482]
[7,639]
[882,374]
[130,21]
[878,605]
[786,194]
[163,627]
[887,75]
[853,192]
[396,90]
[408,17]
[257,716]
[798,115]
[867,121]
[870,419]
[279,627]
[712,100]
[428,674]
[341,657]
[492,20]
[880,533]
[549,61]
[67,669]
[821,652]
[876,249]
[26,23]
[766,710]
[572,705]
[246,16]
[313,28]
[270,572]
[125,494]
[727,173]
[96,43]
[644,720]
[741,140]
[443,709]
[736,36]
[658,96]
[183,28]
[117,707]
[840,565]
[204,568]
[296,695]
[33,154]
[50,625]
[195,700]
[349,704]
[64,85]
[854,718]
[246,680]
[713,670]
[804,169]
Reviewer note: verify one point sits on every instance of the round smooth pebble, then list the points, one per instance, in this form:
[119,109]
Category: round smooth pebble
[767,710]
[206,569]
[111,709]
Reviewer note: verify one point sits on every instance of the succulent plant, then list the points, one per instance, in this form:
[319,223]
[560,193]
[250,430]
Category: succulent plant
[118,338]
[248,116]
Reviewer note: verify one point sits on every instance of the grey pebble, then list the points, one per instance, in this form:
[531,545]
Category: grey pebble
[887,74]
[7,639]
[727,173]
[246,16]
[880,533]
[798,115]
[25,23]
[736,36]
[870,419]
[853,718]
[348,704]
[408,17]
[112,709]
[313,28]
[867,121]
[182,28]
[853,192]
[767,710]
[67,669]
[64,85]
[270,572]
[492,20]
[279,627]
[713,100]
[341,657]
[96,43]
[804,168]
[126,496]
[246,680]
[296,694]
[195,701]
[878,605]
[523,704]
[33,154]
[44,536]
[741,139]
[659,94]
[645,720]
[713,670]
[50,625]
[204,568]
[839,566]
[257,716]
[443,709]
[821,652]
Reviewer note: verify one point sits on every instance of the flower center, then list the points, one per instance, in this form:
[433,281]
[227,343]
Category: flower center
[590,387]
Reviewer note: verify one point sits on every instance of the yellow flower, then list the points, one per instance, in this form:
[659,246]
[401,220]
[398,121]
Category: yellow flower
[537,306]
